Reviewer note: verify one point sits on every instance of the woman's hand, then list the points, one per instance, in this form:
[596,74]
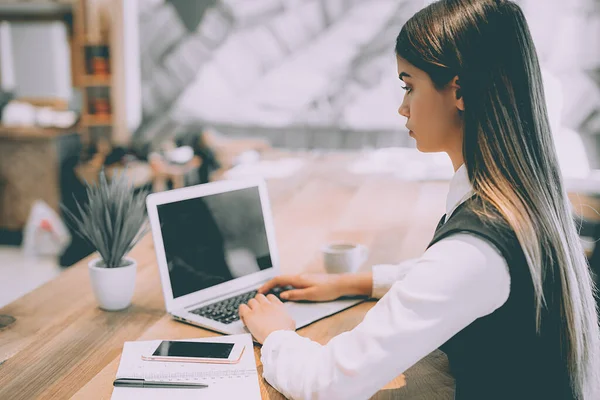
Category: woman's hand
[315,287]
[264,315]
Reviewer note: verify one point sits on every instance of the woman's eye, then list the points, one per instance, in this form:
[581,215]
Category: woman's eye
[408,89]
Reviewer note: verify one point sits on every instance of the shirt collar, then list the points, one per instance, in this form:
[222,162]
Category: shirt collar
[460,190]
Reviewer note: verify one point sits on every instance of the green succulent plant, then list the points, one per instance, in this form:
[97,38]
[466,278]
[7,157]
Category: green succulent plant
[113,219]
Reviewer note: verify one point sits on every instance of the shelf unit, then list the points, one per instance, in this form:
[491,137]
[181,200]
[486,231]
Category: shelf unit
[94,120]
[93,25]
[95,81]
[40,11]
[92,70]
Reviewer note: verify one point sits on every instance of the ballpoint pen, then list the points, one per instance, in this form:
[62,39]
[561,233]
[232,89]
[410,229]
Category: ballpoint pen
[142,383]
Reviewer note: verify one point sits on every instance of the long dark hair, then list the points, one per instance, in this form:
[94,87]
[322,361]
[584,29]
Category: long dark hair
[509,153]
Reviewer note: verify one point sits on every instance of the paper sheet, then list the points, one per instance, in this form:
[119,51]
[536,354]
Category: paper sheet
[235,381]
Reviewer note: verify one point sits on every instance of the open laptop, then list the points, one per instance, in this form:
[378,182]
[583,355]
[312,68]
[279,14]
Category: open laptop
[215,246]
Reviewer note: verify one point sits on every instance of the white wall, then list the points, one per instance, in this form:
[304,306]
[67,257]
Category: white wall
[7,70]
[41,59]
[126,69]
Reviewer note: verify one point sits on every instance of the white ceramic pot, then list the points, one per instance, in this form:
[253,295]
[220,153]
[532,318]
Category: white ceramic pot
[113,287]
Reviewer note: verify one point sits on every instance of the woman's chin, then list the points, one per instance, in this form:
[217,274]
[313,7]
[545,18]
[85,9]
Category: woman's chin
[419,144]
[424,149]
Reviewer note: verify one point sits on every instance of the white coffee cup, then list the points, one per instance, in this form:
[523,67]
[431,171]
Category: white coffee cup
[344,257]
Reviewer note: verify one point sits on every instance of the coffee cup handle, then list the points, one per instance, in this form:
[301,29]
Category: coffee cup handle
[364,253]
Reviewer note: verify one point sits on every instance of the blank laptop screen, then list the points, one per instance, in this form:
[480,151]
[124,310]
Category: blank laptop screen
[213,239]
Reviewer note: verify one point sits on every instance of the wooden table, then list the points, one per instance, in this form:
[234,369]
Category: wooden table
[62,345]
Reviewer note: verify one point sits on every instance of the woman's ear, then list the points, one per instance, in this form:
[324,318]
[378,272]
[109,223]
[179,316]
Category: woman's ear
[460,104]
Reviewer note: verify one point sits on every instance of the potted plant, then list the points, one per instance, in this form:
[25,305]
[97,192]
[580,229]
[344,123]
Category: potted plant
[113,220]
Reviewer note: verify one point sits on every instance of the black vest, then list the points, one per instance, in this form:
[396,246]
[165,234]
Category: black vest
[500,356]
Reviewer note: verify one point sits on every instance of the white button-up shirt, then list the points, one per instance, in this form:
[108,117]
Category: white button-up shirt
[423,303]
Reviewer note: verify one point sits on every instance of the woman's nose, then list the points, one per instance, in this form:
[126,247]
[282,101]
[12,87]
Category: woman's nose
[403,110]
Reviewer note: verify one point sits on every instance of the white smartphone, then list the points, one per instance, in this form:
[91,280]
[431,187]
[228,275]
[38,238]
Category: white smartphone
[201,352]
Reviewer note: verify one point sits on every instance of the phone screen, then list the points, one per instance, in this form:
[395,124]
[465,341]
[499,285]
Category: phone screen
[194,349]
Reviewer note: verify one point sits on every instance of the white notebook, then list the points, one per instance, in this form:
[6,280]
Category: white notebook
[225,381]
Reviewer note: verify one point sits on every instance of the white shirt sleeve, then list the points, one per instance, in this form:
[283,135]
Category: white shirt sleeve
[457,280]
[385,275]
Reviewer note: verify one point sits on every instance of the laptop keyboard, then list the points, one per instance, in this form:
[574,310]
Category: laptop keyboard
[226,311]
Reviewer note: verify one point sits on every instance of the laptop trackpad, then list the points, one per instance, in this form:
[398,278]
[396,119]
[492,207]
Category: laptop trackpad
[306,313]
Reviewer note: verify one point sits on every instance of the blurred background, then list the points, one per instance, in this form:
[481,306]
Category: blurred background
[182,92]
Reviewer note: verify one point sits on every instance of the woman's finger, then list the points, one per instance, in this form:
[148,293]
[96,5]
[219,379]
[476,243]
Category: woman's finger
[281,280]
[273,299]
[261,299]
[299,294]
[252,304]
[269,285]
[243,310]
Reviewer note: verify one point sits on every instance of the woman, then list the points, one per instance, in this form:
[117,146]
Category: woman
[504,287]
